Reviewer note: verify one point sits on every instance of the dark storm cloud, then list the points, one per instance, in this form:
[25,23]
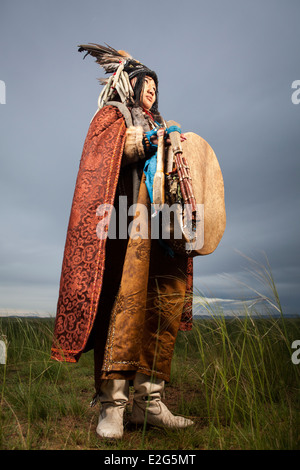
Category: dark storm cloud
[225,72]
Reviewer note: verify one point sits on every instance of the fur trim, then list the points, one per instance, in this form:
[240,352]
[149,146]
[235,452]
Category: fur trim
[134,148]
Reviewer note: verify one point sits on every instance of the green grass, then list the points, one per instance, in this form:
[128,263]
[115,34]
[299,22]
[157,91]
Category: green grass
[234,377]
[242,382]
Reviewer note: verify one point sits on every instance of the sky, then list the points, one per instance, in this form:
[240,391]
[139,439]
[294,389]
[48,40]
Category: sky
[226,70]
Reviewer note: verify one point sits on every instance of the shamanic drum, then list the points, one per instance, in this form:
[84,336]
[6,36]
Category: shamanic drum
[208,189]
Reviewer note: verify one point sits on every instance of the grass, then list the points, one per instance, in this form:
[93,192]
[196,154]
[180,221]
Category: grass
[234,377]
[243,383]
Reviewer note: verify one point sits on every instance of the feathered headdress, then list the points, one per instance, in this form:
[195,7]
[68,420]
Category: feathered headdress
[123,67]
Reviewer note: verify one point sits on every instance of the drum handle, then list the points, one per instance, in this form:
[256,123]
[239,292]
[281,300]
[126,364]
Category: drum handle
[175,137]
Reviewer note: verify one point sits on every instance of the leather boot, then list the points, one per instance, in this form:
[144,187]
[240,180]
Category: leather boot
[147,404]
[113,396]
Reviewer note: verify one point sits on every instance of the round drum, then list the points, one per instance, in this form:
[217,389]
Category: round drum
[208,188]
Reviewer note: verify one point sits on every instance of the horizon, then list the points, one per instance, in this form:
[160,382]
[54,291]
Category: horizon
[227,307]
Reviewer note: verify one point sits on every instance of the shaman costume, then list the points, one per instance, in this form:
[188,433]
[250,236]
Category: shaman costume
[123,292]
[125,297]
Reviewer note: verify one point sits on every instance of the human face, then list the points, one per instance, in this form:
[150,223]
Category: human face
[148,95]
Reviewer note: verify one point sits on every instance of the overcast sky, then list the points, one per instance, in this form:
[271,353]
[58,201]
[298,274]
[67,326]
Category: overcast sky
[225,68]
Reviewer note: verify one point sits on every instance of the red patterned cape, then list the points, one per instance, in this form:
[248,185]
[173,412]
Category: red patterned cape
[84,254]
